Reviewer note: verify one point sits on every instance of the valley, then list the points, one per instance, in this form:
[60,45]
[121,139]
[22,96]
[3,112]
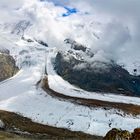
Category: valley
[69,70]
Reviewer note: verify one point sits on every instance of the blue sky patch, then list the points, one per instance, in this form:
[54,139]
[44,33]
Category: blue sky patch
[70,11]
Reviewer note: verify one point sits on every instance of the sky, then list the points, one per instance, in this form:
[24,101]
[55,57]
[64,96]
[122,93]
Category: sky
[115,22]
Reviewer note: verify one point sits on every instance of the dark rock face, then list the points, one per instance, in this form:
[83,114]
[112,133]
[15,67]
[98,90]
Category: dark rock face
[75,45]
[78,47]
[99,77]
[42,43]
[27,39]
[7,66]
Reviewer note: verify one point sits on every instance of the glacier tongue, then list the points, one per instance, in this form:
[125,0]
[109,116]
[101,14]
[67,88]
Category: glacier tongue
[39,21]
[19,94]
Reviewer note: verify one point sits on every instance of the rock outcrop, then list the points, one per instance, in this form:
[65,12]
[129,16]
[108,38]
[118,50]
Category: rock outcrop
[8,67]
[97,76]
[116,134]
[75,45]
[136,134]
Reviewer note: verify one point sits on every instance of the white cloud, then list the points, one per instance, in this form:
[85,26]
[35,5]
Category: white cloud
[11,3]
[120,35]
[115,22]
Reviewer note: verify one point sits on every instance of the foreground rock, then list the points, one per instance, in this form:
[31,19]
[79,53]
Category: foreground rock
[8,67]
[96,76]
[25,127]
[116,134]
[136,134]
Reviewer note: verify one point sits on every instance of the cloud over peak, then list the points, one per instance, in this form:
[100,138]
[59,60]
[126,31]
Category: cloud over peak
[110,28]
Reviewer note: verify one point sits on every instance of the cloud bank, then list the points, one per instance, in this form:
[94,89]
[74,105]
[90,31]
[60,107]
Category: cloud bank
[109,28]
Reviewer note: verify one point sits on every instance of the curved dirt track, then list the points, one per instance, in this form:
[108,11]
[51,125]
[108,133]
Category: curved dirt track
[126,108]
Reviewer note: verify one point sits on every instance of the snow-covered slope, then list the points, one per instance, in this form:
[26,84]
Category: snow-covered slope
[44,21]
[21,95]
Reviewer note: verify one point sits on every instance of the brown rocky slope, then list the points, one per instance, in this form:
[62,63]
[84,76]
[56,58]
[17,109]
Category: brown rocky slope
[8,67]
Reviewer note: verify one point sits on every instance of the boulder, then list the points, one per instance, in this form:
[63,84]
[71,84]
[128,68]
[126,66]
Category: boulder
[136,134]
[116,134]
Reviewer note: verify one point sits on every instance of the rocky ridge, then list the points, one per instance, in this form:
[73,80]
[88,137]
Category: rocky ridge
[97,76]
